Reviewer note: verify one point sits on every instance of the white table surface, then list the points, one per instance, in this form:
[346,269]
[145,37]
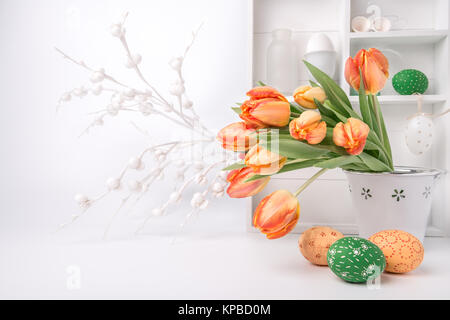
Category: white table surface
[235,266]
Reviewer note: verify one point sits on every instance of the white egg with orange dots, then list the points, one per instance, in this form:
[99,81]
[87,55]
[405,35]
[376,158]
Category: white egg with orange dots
[402,250]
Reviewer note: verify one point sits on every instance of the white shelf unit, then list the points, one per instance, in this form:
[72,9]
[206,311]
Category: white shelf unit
[423,37]
[410,100]
[420,41]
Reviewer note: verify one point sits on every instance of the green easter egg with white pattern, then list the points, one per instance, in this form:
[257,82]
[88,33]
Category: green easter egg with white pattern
[356,259]
[410,81]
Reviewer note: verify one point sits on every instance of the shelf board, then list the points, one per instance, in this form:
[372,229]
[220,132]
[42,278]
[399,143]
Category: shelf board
[398,99]
[398,37]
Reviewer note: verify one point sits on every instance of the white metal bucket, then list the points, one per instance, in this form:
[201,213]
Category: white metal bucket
[398,200]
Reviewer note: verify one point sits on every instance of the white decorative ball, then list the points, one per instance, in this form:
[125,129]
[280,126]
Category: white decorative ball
[198,197]
[204,205]
[129,92]
[176,89]
[134,163]
[129,63]
[146,108]
[99,121]
[176,63]
[97,89]
[218,187]
[419,134]
[116,30]
[81,198]
[188,104]
[97,76]
[135,186]
[137,58]
[80,92]
[148,93]
[66,97]
[113,184]
[113,109]
[133,61]
[168,107]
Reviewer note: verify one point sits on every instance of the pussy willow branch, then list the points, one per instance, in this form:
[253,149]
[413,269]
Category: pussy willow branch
[138,99]
[180,191]
[121,176]
[188,120]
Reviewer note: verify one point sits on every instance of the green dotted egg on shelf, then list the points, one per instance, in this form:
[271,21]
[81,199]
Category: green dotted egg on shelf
[410,81]
[356,259]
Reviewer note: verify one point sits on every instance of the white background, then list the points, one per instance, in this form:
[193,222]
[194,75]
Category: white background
[43,164]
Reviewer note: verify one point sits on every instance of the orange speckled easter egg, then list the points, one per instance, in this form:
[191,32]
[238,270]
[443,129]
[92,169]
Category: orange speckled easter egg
[315,242]
[402,250]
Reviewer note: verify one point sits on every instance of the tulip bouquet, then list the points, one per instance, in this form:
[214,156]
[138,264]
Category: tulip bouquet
[320,129]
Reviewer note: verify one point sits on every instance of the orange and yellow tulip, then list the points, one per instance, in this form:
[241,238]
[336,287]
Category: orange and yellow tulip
[305,96]
[266,108]
[277,214]
[374,68]
[263,161]
[237,136]
[239,188]
[308,127]
[352,135]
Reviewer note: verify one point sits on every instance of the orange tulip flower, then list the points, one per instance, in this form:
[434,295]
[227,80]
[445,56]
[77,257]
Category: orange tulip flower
[263,161]
[305,96]
[277,214]
[352,135]
[239,188]
[266,108]
[374,67]
[237,137]
[258,93]
[308,127]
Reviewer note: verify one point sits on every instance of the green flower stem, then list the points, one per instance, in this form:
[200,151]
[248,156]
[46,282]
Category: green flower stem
[377,115]
[309,181]
[385,142]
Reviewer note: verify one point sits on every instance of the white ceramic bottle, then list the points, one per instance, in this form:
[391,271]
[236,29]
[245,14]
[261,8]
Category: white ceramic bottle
[282,62]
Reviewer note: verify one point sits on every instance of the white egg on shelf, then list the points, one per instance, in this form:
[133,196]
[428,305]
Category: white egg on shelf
[419,134]
[320,52]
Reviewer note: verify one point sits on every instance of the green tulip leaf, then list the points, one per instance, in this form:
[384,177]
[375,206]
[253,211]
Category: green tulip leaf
[289,166]
[237,110]
[295,149]
[313,84]
[332,90]
[234,166]
[374,164]
[261,84]
[364,105]
[338,162]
